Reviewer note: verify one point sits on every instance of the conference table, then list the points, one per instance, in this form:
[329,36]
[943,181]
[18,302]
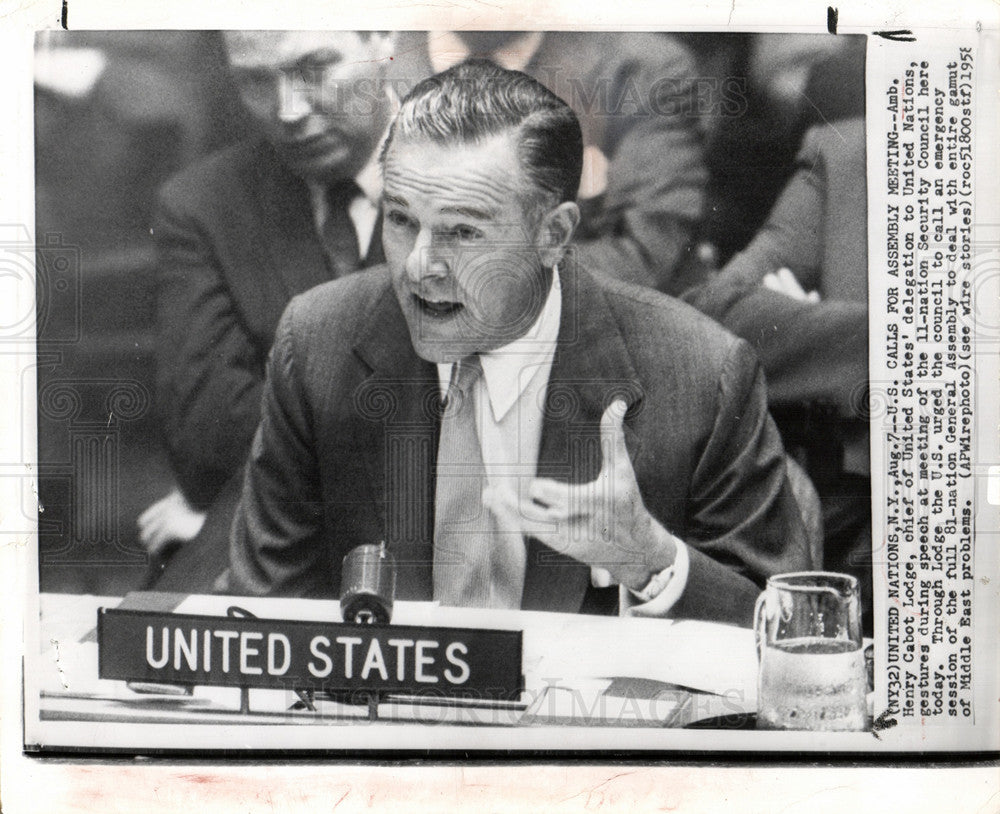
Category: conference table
[579,671]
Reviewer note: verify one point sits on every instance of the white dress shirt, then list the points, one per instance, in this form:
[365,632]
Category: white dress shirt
[509,402]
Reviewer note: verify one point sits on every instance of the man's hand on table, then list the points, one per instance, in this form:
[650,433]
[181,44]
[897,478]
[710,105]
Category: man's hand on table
[603,523]
[784,282]
[170,519]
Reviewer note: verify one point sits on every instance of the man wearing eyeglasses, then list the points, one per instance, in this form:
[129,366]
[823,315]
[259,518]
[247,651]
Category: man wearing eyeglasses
[238,235]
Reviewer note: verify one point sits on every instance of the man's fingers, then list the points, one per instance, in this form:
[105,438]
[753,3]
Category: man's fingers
[535,513]
[152,513]
[158,542]
[498,503]
[167,503]
[170,518]
[550,492]
[612,429]
[569,500]
[784,281]
[790,283]
[152,537]
[521,514]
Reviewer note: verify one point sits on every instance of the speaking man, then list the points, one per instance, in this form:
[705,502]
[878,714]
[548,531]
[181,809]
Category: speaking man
[521,433]
[238,235]
[637,98]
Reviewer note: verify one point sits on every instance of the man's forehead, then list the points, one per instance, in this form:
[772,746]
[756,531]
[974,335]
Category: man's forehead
[261,49]
[444,172]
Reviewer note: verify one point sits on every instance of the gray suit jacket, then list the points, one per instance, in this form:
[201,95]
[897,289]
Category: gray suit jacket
[346,449]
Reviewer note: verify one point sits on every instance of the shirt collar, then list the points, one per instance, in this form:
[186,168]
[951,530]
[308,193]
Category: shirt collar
[446,48]
[370,177]
[508,370]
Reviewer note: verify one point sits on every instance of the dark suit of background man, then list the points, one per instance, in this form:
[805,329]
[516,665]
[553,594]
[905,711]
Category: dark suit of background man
[238,235]
[799,294]
[628,458]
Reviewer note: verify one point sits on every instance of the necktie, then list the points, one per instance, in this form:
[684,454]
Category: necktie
[340,240]
[472,566]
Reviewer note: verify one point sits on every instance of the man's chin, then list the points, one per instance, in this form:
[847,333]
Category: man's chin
[448,338]
[442,352]
[334,165]
[443,349]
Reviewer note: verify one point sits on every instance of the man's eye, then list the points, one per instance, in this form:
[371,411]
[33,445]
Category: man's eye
[397,218]
[466,233]
[253,81]
[321,60]
[313,74]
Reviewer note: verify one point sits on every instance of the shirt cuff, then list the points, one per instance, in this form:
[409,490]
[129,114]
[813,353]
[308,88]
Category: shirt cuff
[663,590]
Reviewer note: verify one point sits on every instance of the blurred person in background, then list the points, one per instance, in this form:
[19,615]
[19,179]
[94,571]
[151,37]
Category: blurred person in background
[799,294]
[760,94]
[116,114]
[238,235]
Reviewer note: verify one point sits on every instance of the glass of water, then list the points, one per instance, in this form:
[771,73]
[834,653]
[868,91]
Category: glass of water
[812,672]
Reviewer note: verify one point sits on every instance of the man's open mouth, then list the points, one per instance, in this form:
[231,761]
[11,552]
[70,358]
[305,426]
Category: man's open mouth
[437,308]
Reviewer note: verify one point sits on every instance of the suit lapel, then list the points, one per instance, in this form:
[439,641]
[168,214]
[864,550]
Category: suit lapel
[591,368]
[376,255]
[400,444]
[287,227]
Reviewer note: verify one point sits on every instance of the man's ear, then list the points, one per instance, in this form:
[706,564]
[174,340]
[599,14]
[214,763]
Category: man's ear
[555,231]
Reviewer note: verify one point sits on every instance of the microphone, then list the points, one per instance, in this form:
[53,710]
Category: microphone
[368,585]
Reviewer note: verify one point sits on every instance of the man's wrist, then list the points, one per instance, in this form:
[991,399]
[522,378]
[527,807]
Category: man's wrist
[663,591]
[659,555]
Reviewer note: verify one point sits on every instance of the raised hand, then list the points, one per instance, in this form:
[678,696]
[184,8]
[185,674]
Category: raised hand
[603,523]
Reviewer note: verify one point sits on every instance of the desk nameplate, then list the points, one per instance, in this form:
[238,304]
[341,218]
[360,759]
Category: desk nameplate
[186,649]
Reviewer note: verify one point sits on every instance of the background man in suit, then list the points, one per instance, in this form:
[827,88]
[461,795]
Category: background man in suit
[624,440]
[238,236]
[799,294]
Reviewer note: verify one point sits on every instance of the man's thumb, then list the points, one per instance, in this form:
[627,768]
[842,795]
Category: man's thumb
[611,426]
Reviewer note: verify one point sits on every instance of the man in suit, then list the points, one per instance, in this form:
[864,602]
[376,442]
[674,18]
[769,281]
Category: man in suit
[628,458]
[636,96]
[799,294]
[240,234]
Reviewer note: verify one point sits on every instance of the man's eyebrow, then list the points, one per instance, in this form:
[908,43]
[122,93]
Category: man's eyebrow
[470,212]
[320,56]
[388,197]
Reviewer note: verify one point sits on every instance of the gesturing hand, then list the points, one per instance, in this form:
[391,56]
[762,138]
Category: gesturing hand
[170,518]
[603,523]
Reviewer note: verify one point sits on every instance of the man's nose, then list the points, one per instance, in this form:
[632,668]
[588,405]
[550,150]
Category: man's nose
[426,259]
[295,100]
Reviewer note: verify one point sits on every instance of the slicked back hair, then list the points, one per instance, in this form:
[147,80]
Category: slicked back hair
[476,100]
